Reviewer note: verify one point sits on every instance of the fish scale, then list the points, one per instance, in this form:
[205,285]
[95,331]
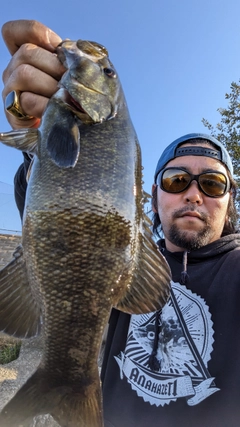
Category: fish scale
[86,246]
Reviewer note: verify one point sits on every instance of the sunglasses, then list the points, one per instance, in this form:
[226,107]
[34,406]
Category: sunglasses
[176,180]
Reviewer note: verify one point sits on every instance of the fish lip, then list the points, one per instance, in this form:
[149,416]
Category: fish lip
[72,103]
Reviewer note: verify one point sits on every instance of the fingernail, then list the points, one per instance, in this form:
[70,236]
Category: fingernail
[53,39]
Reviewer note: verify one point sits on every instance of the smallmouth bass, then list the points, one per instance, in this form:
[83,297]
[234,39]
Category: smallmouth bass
[86,242]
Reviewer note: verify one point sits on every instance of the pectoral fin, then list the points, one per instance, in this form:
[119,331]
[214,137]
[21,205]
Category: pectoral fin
[150,286]
[22,139]
[63,144]
[19,312]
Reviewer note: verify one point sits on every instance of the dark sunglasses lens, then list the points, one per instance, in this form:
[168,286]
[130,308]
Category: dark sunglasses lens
[175,180]
[213,184]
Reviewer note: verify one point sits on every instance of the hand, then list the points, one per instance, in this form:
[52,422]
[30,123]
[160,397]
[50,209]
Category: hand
[34,68]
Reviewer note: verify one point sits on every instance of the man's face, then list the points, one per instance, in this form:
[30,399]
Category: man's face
[191,219]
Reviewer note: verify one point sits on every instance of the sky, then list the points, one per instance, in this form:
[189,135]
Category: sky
[176,60]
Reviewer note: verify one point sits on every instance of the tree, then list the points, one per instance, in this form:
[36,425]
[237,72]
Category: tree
[228,130]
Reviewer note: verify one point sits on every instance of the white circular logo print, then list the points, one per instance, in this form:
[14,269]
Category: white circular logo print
[182,335]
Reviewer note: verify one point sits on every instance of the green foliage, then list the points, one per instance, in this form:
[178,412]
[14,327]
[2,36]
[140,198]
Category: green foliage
[9,352]
[228,129]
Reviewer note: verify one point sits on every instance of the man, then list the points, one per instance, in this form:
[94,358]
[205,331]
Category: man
[194,377]
[180,366]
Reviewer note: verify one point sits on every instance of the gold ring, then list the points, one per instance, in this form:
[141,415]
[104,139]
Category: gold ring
[13,106]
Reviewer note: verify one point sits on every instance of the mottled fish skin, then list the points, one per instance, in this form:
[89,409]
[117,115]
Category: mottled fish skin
[87,245]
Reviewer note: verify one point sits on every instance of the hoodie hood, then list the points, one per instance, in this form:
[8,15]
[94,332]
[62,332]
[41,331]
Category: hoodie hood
[223,245]
[183,263]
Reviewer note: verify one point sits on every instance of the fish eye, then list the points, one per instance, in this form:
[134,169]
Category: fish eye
[109,72]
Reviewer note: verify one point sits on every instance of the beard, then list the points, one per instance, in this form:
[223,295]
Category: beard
[190,240]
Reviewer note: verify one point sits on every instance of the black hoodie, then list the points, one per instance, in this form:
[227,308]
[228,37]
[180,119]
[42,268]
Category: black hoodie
[196,382]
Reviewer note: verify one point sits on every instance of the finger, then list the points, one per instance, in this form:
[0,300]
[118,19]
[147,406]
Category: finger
[29,79]
[34,104]
[17,33]
[36,87]
[21,124]
[30,103]
[37,57]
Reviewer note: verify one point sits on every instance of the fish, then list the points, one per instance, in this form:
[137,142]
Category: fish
[87,243]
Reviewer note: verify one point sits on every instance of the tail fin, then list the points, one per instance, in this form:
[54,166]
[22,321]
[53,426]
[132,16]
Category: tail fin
[79,411]
[70,408]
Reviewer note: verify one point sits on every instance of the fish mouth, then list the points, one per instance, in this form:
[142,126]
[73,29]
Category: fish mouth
[76,108]
[98,107]
[71,102]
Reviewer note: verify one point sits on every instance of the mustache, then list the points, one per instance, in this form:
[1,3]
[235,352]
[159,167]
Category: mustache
[180,212]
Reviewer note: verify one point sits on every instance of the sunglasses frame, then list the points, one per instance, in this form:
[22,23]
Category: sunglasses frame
[193,178]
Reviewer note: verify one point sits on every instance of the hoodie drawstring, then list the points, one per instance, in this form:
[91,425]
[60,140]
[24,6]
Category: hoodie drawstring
[184,276]
[153,362]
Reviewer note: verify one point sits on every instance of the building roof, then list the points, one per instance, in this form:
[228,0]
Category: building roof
[8,244]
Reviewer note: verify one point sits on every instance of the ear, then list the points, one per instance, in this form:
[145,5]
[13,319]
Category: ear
[233,193]
[154,198]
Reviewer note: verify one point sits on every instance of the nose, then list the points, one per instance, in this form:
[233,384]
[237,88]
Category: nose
[193,194]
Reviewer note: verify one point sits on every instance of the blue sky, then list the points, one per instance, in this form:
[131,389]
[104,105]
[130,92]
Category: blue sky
[176,60]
